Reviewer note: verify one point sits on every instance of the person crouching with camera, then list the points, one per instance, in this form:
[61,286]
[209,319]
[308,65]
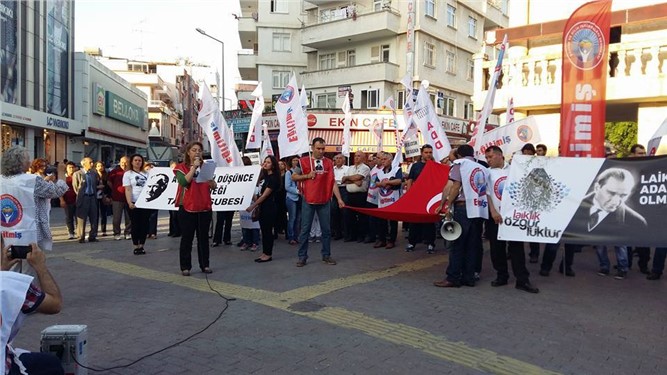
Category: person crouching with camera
[20,297]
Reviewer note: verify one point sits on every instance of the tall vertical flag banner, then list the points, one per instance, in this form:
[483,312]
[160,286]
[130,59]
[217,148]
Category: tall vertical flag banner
[583,92]
[429,125]
[293,137]
[377,129]
[267,149]
[656,145]
[409,135]
[510,111]
[220,137]
[398,158]
[480,125]
[254,139]
[346,126]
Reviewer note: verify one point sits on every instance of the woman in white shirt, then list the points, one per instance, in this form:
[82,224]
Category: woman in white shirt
[134,181]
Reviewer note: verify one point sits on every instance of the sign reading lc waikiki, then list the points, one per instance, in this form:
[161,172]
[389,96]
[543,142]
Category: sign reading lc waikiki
[122,110]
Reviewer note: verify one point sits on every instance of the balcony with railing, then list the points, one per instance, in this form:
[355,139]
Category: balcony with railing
[637,72]
[339,26]
[381,71]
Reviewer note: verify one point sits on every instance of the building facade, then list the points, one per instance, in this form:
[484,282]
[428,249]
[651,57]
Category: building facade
[365,49]
[37,69]
[270,33]
[636,89]
[113,112]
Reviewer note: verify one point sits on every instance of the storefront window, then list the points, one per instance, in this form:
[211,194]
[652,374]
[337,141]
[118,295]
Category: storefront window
[12,136]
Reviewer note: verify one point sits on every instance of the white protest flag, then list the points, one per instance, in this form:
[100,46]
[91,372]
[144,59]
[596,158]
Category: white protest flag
[398,158]
[410,130]
[478,132]
[303,100]
[221,138]
[293,137]
[346,126]
[510,111]
[377,129]
[429,125]
[255,130]
[512,137]
[655,145]
[267,149]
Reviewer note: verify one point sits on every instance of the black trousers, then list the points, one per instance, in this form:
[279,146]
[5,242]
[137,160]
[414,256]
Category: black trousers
[382,227]
[338,227]
[194,223]
[174,227]
[37,363]
[224,219]
[550,253]
[140,216]
[643,256]
[424,232]
[499,251]
[267,221]
[357,223]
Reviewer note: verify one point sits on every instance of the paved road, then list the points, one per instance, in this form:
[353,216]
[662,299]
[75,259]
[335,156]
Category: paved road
[373,313]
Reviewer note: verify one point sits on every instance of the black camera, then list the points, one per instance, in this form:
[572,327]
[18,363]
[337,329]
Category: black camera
[50,170]
[19,252]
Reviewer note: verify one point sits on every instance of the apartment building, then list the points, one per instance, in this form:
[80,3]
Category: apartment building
[270,33]
[636,89]
[365,48]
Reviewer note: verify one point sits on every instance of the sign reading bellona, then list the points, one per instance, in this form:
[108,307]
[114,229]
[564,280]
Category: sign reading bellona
[122,110]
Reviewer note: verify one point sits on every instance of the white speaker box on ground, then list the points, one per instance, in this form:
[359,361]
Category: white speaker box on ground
[69,343]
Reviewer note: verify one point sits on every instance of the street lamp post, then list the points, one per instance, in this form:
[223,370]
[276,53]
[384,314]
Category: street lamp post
[223,67]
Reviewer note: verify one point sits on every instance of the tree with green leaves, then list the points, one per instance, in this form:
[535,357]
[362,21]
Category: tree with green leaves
[621,136]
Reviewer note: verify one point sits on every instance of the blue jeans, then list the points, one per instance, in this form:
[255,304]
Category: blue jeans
[307,213]
[250,236]
[293,213]
[462,257]
[621,257]
[659,260]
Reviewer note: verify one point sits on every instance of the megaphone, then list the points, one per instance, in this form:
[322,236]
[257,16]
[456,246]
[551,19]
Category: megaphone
[450,230]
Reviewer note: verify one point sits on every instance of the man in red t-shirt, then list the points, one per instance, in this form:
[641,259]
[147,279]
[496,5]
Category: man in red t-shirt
[118,201]
[317,186]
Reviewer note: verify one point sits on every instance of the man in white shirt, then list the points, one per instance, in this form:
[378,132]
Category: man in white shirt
[338,227]
[356,183]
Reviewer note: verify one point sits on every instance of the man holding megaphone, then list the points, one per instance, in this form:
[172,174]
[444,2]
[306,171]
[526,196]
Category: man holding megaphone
[466,200]
[498,171]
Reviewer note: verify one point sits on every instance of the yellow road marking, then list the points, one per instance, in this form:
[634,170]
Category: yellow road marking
[439,347]
[326,287]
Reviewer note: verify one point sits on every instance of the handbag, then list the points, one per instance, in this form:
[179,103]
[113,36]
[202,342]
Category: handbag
[254,215]
[106,201]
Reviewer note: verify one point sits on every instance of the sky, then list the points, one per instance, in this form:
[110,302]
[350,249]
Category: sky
[162,30]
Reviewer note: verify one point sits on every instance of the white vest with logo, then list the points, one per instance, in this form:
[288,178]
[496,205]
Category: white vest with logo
[474,179]
[497,178]
[18,214]
[372,196]
[387,196]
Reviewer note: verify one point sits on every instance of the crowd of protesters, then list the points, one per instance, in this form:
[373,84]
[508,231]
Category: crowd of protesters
[303,200]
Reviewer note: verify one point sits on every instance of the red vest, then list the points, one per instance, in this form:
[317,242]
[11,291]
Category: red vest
[319,190]
[196,197]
